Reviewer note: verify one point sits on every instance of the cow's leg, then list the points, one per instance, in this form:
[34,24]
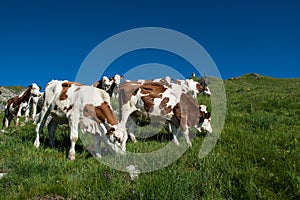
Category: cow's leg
[185,129]
[174,130]
[131,126]
[6,121]
[126,110]
[27,112]
[34,106]
[97,143]
[19,115]
[41,122]
[123,145]
[6,118]
[51,130]
[73,123]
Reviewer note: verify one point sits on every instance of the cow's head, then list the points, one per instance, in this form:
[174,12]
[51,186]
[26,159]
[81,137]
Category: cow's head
[117,79]
[116,136]
[35,90]
[106,83]
[204,88]
[116,82]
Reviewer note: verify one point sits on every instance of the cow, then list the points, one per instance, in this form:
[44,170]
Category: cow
[82,107]
[110,85]
[157,99]
[17,104]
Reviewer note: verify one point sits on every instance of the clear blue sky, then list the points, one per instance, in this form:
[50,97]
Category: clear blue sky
[49,39]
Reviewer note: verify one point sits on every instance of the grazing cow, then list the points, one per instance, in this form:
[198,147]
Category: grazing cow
[110,85]
[17,104]
[84,107]
[157,99]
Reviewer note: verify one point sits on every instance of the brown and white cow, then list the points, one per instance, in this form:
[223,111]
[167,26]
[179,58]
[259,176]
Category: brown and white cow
[157,99]
[17,104]
[82,107]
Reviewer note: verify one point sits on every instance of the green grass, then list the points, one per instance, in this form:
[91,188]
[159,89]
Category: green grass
[256,157]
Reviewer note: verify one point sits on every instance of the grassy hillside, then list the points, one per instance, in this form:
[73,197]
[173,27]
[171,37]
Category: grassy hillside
[256,157]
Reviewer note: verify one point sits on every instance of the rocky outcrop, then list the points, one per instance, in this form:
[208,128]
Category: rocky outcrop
[6,93]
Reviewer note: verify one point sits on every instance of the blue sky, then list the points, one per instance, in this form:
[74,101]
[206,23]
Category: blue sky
[45,40]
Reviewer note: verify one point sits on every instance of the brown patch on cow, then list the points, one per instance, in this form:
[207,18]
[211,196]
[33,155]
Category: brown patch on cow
[153,88]
[186,112]
[65,87]
[177,115]
[151,91]
[128,89]
[101,114]
[163,106]
[190,108]
[199,87]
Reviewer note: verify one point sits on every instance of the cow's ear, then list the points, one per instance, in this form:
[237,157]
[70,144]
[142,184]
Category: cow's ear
[110,131]
[30,86]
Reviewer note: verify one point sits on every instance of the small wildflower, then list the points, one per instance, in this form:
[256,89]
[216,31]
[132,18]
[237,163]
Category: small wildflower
[133,191]
[263,158]
[106,174]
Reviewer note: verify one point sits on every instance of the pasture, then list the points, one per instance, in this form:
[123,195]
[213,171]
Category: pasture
[256,157]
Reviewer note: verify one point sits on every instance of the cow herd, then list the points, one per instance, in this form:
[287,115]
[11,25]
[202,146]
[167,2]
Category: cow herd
[87,109]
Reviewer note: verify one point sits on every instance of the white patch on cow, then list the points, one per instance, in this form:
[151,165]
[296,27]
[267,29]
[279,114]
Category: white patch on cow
[207,91]
[203,108]
[205,126]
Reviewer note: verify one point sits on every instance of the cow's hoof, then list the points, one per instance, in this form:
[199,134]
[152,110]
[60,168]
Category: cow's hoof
[36,144]
[175,142]
[71,156]
[98,155]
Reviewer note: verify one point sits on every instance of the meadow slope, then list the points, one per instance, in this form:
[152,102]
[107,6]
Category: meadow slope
[256,157]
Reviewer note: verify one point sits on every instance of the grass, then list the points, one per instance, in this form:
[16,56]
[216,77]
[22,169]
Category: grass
[256,157]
